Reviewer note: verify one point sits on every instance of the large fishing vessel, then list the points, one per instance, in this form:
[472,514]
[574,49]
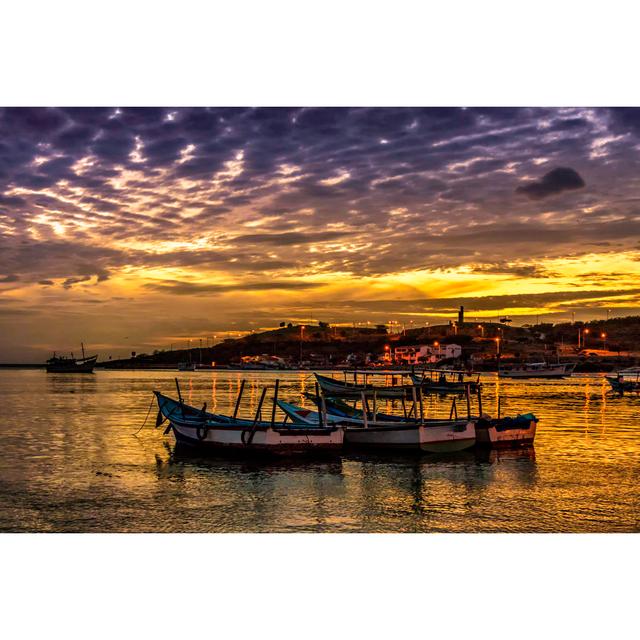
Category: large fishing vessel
[66,364]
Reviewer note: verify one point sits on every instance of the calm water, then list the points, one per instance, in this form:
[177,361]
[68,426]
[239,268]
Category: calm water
[69,462]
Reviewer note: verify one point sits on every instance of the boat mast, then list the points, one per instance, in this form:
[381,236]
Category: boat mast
[82,345]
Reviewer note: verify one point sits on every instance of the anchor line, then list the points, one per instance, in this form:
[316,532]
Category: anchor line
[146,418]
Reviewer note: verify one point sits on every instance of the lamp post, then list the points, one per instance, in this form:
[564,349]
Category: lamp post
[604,340]
[302,328]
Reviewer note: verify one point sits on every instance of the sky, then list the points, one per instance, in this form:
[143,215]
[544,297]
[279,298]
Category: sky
[142,228]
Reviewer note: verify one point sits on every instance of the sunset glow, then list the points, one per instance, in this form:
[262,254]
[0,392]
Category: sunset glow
[132,229]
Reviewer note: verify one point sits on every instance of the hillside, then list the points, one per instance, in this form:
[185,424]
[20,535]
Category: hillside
[325,346]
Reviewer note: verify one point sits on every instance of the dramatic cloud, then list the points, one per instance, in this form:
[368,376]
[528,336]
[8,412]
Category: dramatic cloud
[556,181]
[190,288]
[254,215]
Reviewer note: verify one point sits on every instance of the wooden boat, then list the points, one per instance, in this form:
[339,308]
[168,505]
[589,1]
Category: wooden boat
[445,381]
[433,436]
[218,433]
[625,380]
[537,370]
[337,408]
[64,364]
[506,432]
[500,433]
[342,389]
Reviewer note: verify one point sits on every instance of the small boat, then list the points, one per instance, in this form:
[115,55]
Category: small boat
[445,381]
[506,432]
[433,436]
[537,370]
[64,364]
[218,433]
[337,408]
[192,366]
[625,380]
[338,388]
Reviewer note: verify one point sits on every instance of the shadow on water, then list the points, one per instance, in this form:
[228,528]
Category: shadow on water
[438,493]
[68,461]
[181,455]
[83,383]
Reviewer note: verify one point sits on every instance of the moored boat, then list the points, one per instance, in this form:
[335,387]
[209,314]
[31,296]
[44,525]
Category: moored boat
[445,381]
[506,432]
[537,370]
[338,388]
[625,380]
[65,364]
[218,433]
[434,436]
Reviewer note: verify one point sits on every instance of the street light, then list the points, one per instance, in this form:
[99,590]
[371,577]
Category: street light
[604,340]
[302,328]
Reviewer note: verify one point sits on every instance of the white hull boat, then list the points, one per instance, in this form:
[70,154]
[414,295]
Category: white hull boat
[435,436]
[506,432]
[212,432]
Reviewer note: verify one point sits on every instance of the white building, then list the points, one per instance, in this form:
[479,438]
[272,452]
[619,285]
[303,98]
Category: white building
[419,354]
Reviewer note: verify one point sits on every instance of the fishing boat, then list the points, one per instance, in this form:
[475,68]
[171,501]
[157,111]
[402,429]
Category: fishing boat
[209,432]
[433,436]
[337,408]
[625,380]
[339,388]
[537,370]
[506,432]
[445,381]
[65,364]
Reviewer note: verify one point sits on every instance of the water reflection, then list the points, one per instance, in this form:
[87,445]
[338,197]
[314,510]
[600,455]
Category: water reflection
[69,462]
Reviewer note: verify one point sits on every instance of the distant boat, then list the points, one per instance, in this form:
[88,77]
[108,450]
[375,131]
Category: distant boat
[625,380]
[537,370]
[192,366]
[64,364]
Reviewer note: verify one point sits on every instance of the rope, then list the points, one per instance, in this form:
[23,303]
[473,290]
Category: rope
[146,418]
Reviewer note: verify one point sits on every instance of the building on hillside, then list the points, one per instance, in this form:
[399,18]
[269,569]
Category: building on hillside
[420,354]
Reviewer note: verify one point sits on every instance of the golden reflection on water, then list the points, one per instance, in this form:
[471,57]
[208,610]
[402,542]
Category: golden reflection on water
[69,462]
